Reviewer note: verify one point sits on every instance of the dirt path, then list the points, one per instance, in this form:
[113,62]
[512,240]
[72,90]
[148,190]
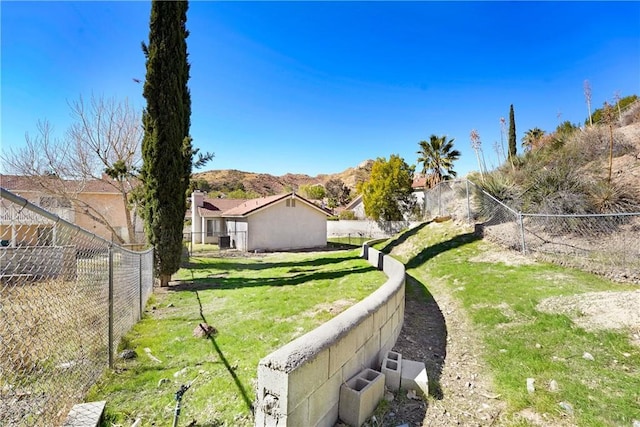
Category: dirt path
[438,333]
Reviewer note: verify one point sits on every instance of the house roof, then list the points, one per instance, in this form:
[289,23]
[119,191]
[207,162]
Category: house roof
[252,206]
[419,182]
[355,202]
[213,208]
[40,183]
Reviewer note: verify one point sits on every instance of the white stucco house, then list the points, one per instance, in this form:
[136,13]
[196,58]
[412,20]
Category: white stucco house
[357,207]
[281,222]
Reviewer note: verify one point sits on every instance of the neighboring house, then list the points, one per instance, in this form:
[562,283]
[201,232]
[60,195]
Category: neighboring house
[357,207]
[281,222]
[419,187]
[207,223]
[37,230]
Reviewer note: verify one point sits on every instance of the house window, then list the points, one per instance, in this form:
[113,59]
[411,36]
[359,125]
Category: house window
[214,227]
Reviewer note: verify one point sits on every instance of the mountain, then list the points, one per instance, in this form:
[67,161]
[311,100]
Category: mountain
[227,180]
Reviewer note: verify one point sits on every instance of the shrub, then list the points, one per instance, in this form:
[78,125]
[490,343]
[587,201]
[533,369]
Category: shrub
[347,215]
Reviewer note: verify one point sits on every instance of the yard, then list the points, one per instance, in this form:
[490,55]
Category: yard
[256,304]
[507,341]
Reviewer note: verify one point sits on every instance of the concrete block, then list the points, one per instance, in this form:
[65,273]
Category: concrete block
[306,378]
[391,368]
[414,377]
[356,364]
[85,414]
[359,397]
[341,352]
[325,401]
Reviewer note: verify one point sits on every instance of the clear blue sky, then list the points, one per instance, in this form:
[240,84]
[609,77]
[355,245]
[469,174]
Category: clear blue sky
[317,87]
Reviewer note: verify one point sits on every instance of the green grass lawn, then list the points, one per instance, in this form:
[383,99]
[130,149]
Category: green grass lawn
[259,304]
[256,304]
[522,342]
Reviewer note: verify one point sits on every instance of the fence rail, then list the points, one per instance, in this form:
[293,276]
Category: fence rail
[67,297]
[607,244]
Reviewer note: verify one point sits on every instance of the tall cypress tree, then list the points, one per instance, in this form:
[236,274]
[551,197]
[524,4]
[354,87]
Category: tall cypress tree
[512,135]
[166,146]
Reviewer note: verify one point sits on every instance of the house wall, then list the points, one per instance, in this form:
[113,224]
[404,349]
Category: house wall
[109,205]
[299,384]
[237,230]
[358,209]
[281,227]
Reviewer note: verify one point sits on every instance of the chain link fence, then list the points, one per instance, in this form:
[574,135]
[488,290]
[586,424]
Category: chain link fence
[607,244]
[67,297]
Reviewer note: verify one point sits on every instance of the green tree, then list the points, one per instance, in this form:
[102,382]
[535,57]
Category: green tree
[314,192]
[166,147]
[532,138]
[512,135]
[338,194]
[437,156]
[388,195]
[599,114]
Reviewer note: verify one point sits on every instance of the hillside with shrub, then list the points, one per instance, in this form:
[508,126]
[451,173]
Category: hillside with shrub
[240,184]
[594,169]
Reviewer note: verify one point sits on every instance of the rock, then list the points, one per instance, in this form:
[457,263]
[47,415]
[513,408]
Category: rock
[163,381]
[636,423]
[567,407]
[388,396]
[180,373]
[204,331]
[411,394]
[170,305]
[538,346]
[587,356]
[553,386]
[128,354]
[151,356]
[531,385]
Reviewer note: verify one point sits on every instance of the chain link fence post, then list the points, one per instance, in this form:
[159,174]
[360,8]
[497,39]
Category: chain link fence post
[110,339]
[67,297]
[522,240]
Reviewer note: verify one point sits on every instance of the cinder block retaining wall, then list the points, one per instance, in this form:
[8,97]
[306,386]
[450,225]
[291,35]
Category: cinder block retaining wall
[299,384]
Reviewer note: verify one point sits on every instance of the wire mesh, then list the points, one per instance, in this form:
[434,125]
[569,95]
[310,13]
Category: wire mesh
[604,244]
[57,331]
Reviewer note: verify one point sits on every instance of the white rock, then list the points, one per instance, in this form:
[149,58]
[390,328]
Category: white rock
[636,423]
[180,373]
[587,356]
[553,385]
[567,407]
[531,385]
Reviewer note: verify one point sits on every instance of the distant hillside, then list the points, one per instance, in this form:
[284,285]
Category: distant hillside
[226,180]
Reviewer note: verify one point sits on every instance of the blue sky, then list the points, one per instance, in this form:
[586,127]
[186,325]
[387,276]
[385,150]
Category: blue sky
[317,87]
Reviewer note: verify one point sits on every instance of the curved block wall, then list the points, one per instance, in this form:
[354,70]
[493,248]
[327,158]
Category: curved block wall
[299,384]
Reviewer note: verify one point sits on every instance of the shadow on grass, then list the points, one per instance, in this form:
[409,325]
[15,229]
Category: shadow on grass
[424,332]
[403,237]
[431,251]
[241,388]
[293,278]
[237,264]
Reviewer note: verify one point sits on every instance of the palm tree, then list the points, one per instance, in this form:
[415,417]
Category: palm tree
[532,138]
[437,157]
